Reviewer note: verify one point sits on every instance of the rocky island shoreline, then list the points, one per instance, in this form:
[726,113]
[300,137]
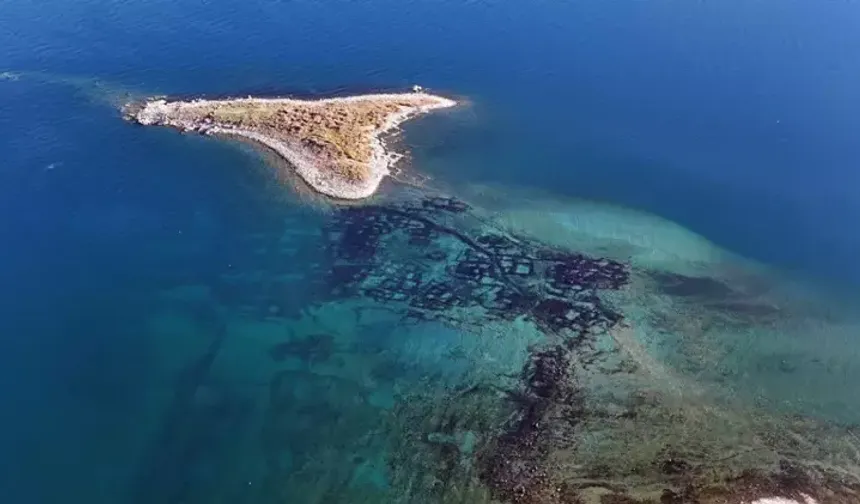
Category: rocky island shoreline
[334,144]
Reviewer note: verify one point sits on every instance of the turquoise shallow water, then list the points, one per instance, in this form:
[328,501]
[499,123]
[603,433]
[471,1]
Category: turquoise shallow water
[179,323]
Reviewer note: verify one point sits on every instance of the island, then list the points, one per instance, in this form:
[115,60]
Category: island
[335,144]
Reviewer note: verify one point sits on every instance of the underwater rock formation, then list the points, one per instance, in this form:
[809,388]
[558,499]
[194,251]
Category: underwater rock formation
[517,468]
[505,277]
[589,419]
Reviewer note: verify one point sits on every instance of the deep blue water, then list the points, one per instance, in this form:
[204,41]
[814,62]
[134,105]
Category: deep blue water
[734,119]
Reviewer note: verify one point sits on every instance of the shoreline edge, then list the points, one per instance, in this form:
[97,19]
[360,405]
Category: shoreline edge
[290,127]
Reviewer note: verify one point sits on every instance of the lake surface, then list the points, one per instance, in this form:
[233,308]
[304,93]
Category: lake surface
[624,269]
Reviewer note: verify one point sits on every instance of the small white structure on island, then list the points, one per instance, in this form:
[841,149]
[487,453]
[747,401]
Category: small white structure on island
[417,89]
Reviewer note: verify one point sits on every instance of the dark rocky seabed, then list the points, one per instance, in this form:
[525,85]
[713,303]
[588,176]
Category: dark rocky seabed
[535,312]
[441,355]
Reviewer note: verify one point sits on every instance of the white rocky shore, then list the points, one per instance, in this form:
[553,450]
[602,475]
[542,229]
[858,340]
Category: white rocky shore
[334,144]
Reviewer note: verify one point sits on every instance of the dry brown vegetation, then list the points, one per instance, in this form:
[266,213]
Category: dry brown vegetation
[339,133]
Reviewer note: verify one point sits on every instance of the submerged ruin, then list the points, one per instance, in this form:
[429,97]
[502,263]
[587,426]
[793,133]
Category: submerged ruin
[580,416]
[503,277]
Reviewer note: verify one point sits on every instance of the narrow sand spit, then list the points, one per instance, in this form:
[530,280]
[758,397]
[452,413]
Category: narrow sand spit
[334,144]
